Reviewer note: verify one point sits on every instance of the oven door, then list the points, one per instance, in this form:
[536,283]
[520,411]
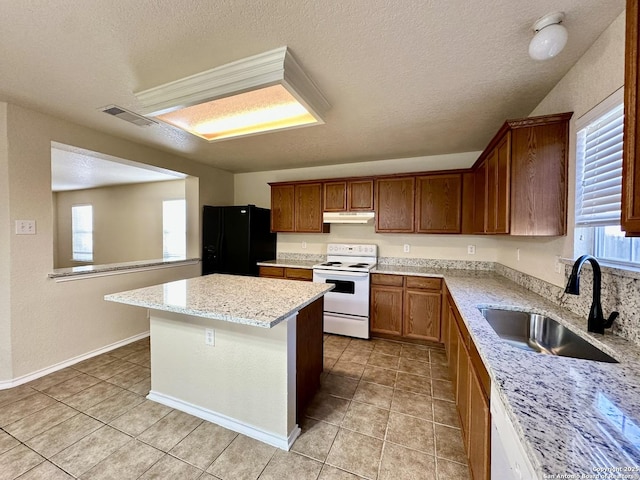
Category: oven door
[350,295]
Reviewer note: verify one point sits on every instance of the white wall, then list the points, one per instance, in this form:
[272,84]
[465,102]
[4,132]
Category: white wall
[5,256]
[52,322]
[254,188]
[127,221]
[598,74]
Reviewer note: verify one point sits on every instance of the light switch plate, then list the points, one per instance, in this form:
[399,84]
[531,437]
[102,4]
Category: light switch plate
[25,227]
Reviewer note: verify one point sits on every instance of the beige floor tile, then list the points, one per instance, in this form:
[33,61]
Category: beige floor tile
[356,453]
[339,386]
[36,423]
[360,345]
[438,356]
[388,348]
[170,467]
[289,465]
[440,371]
[412,404]
[140,357]
[413,383]
[356,355]
[443,389]
[327,408]
[235,464]
[17,461]
[202,446]
[337,341]
[411,432]
[45,471]
[449,444]
[130,377]
[53,378]
[91,450]
[104,372]
[93,362]
[381,376]
[114,406]
[316,439]
[446,413]
[7,442]
[399,463]
[384,361]
[415,352]
[141,388]
[331,351]
[208,476]
[14,394]
[56,439]
[127,350]
[347,369]
[92,396]
[170,430]
[332,473]
[128,462]
[366,419]
[374,394]
[416,367]
[449,470]
[12,412]
[71,387]
[328,363]
[140,417]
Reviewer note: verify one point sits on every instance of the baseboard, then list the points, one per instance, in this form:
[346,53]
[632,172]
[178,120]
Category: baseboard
[67,363]
[278,441]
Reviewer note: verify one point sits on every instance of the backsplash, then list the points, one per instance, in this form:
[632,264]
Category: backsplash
[620,292]
[436,263]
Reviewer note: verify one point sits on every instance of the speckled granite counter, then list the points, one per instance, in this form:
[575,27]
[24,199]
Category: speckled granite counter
[94,270]
[572,416]
[289,263]
[261,302]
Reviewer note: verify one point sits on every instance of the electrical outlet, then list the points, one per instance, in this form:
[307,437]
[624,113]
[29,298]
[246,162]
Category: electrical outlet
[209,337]
[304,244]
[518,254]
[471,249]
[558,265]
[25,227]
[407,248]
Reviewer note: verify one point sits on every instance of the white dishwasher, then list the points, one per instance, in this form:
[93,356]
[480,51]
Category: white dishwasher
[508,458]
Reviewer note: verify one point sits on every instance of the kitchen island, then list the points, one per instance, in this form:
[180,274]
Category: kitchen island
[241,352]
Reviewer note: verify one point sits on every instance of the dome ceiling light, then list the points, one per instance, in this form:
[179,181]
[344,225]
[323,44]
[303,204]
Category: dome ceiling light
[550,37]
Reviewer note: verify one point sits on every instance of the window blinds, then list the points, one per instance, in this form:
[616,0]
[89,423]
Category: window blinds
[599,168]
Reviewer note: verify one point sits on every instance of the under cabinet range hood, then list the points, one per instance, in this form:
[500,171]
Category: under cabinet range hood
[348,217]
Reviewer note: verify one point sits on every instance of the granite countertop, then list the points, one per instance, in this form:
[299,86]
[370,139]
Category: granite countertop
[573,416]
[261,302]
[88,270]
[290,263]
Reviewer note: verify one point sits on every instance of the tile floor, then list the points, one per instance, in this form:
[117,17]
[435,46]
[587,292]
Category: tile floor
[384,411]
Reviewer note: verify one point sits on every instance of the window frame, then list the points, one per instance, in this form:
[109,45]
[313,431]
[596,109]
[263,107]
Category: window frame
[76,255]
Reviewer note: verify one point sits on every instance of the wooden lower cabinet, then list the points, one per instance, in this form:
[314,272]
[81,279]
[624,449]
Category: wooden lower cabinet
[304,274]
[472,390]
[406,307]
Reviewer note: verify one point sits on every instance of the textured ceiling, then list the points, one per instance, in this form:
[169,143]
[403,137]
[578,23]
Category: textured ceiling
[404,78]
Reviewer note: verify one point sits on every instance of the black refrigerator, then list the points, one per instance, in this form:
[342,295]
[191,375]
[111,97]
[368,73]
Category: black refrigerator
[235,238]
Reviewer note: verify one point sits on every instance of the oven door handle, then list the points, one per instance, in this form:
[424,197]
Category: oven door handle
[342,273]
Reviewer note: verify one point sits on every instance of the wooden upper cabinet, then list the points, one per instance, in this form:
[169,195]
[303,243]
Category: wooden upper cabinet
[308,207]
[525,168]
[630,220]
[438,203]
[348,195]
[468,200]
[282,208]
[394,201]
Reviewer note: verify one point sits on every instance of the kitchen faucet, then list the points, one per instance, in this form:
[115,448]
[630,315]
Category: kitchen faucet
[596,322]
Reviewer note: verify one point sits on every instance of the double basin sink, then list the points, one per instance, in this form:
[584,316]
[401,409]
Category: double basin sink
[535,332]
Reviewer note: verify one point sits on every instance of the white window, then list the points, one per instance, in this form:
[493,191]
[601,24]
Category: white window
[82,232]
[599,185]
[174,229]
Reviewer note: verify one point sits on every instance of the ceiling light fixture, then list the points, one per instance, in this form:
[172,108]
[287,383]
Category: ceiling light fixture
[550,37]
[258,94]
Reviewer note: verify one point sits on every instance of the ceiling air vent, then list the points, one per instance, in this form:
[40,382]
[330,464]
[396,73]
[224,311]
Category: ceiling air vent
[128,116]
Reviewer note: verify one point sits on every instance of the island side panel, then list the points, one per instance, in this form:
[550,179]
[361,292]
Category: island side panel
[309,354]
[243,378]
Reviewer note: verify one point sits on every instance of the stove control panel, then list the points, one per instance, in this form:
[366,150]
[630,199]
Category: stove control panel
[346,249]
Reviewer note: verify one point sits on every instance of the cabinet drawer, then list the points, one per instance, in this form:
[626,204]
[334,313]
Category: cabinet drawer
[299,274]
[424,282]
[272,272]
[390,280]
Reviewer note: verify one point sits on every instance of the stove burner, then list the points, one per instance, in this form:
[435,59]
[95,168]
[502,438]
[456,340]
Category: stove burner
[359,265]
[330,264]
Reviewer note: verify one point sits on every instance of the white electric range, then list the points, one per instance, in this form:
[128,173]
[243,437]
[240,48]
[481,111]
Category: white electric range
[346,307]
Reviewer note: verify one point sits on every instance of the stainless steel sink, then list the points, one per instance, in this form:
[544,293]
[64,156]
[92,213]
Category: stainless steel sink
[531,331]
